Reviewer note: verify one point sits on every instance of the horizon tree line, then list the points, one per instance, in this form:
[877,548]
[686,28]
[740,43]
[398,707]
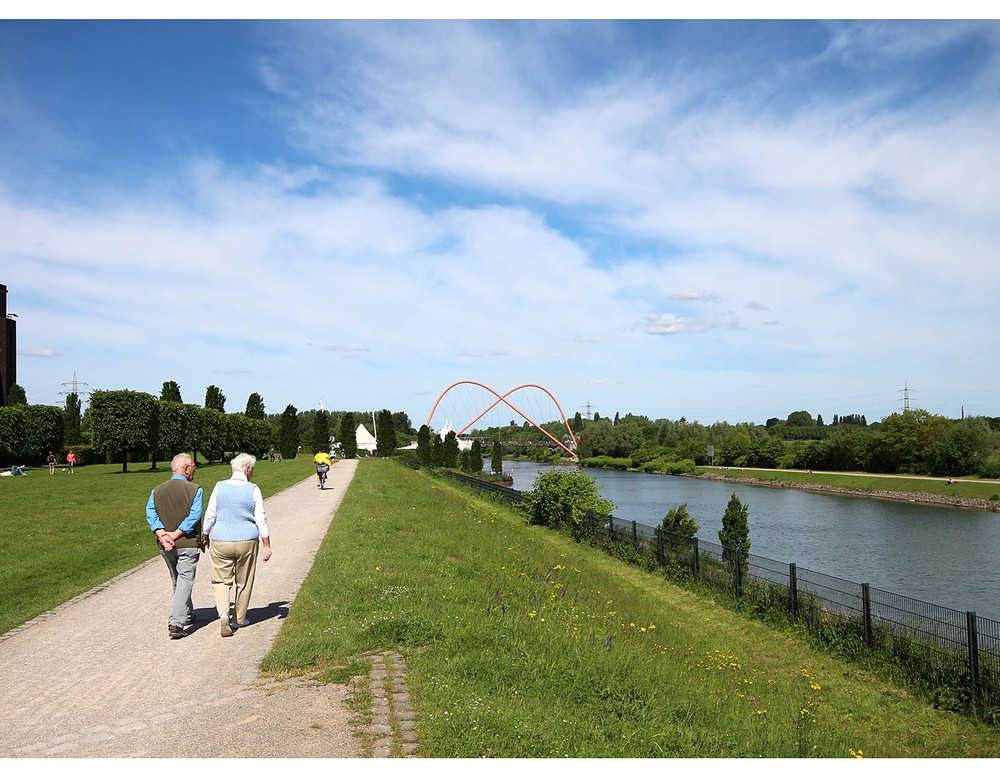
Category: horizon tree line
[125,425]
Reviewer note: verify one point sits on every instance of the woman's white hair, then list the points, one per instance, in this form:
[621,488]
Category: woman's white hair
[240,461]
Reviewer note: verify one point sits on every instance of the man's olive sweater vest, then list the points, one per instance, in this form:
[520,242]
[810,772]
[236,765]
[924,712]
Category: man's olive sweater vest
[172,500]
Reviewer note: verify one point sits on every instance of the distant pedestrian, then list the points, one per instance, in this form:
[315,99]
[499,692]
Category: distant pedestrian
[70,461]
[174,515]
[52,463]
[235,526]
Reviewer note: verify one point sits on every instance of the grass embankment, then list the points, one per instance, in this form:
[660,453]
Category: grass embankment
[965,489]
[520,642]
[62,535]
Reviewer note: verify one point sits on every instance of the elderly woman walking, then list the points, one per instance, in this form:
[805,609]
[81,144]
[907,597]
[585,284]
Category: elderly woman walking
[235,520]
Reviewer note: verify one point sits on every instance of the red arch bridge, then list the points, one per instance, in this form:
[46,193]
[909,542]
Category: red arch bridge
[473,401]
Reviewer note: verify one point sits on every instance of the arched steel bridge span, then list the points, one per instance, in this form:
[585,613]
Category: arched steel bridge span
[504,398]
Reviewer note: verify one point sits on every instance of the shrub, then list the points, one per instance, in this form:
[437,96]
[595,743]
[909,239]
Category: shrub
[990,468]
[85,455]
[408,458]
[560,494]
[610,463]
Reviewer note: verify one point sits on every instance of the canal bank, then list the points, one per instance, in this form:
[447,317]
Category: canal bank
[926,498]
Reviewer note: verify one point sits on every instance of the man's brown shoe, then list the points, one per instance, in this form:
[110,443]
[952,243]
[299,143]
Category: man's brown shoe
[175,632]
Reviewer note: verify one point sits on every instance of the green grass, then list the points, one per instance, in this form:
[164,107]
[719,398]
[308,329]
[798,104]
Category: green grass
[521,643]
[967,487]
[62,535]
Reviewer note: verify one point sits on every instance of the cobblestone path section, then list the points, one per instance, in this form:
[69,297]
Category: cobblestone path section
[393,719]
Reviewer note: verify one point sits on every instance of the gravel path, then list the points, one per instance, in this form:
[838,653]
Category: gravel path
[98,676]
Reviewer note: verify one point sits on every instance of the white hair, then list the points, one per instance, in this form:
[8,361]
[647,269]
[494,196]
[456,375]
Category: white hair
[178,462]
[240,461]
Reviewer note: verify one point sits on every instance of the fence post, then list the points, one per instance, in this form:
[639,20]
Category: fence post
[635,535]
[793,590]
[866,600]
[695,561]
[739,572]
[659,546]
[973,633]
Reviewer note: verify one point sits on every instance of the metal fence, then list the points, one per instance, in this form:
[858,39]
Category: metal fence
[949,649]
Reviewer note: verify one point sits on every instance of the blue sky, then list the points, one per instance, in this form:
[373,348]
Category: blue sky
[715,220]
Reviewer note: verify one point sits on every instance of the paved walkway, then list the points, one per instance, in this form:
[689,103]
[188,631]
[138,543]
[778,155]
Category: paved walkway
[98,676]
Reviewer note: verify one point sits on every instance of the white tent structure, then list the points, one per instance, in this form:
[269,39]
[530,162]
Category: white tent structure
[463,445]
[366,441]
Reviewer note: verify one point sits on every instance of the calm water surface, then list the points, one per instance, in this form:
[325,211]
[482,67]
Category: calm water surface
[945,556]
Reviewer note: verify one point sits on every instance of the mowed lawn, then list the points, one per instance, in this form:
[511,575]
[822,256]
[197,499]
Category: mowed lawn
[62,535]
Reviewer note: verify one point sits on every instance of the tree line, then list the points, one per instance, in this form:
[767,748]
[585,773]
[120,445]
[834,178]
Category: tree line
[913,442]
[130,426]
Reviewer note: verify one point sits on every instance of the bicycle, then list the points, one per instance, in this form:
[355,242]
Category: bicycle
[321,470]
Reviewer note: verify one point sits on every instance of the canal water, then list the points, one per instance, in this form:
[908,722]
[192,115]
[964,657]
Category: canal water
[942,555]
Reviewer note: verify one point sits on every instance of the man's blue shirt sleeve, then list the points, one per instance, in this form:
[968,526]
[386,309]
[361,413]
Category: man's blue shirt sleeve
[151,515]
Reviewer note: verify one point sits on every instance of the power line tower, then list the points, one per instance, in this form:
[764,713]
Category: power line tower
[75,386]
[906,397]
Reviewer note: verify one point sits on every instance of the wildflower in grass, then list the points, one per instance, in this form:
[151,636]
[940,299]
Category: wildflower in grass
[857,753]
[532,614]
[815,686]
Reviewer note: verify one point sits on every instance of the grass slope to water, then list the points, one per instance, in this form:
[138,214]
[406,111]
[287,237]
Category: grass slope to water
[64,534]
[520,642]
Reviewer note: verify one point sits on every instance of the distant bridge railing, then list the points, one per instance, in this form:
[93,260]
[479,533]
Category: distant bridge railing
[948,649]
[521,443]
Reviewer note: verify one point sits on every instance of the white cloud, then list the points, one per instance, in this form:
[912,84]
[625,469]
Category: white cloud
[669,324]
[697,295]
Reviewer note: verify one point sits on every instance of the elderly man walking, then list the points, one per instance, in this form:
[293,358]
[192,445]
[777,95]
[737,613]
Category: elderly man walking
[174,516]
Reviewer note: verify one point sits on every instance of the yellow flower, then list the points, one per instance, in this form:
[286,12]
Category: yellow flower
[859,754]
[377,568]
